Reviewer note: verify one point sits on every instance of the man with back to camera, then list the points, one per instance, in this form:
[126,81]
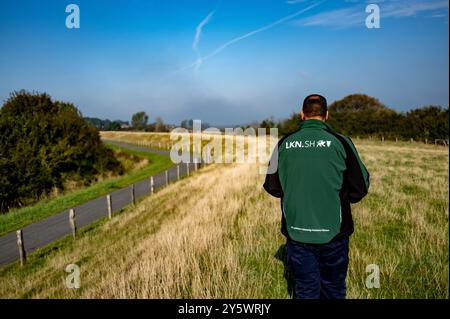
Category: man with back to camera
[319,174]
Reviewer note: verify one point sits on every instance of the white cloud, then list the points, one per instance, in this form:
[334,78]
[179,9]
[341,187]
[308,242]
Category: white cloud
[410,8]
[335,18]
[355,15]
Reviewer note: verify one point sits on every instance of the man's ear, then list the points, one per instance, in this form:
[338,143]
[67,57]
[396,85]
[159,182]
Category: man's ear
[327,116]
[302,115]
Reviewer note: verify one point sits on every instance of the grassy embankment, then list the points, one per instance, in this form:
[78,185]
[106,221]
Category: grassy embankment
[216,235]
[152,140]
[135,171]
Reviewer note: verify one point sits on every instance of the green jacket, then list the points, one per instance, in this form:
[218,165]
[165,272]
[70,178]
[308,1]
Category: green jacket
[319,174]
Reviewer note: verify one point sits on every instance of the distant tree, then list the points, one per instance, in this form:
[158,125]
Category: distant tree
[360,114]
[105,125]
[289,125]
[184,124]
[356,103]
[139,121]
[159,125]
[97,123]
[431,122]
[113,126]
[267,123]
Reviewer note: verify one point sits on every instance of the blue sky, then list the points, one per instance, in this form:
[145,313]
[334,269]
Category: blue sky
[224,62]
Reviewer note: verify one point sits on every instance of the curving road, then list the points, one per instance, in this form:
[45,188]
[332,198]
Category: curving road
[57,226]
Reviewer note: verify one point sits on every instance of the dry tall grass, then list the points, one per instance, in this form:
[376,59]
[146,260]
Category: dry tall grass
[216,235]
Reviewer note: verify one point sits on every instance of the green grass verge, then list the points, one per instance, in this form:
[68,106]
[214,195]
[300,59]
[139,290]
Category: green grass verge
[22,217]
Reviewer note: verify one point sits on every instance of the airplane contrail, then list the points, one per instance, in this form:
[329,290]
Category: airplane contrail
[199,29]
[249,34]
[198,34]
[294,1]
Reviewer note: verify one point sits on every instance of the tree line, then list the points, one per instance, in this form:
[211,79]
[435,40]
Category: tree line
[107,125]
[365,116]
[139,122]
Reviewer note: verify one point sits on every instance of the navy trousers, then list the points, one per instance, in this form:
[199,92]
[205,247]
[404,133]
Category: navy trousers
[318,271]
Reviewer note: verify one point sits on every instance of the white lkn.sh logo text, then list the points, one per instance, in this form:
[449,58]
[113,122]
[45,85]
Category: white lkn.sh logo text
[307,144]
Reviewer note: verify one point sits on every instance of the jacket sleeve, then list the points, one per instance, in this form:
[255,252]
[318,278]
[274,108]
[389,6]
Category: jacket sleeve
[272,183]
[356,177]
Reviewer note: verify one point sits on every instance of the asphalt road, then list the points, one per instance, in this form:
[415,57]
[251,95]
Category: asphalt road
[57,226]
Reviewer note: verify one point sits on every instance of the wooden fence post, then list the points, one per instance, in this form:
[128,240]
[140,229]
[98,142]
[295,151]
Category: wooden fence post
[21,245]
[167,177]
[133,195]
[178,172]
[72,222]
[187,169]
[109,204]
[152,185]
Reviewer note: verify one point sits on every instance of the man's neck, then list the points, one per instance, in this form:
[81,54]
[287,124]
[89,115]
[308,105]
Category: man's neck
[315,118]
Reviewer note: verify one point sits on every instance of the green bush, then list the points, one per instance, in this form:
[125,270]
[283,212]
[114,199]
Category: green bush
[44,143]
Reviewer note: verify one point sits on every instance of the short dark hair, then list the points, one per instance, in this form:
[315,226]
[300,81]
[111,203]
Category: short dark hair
[315,105]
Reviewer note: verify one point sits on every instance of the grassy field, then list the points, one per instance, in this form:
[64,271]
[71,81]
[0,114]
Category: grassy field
[152,164]
[216,235]
[153,140]
[162,140]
